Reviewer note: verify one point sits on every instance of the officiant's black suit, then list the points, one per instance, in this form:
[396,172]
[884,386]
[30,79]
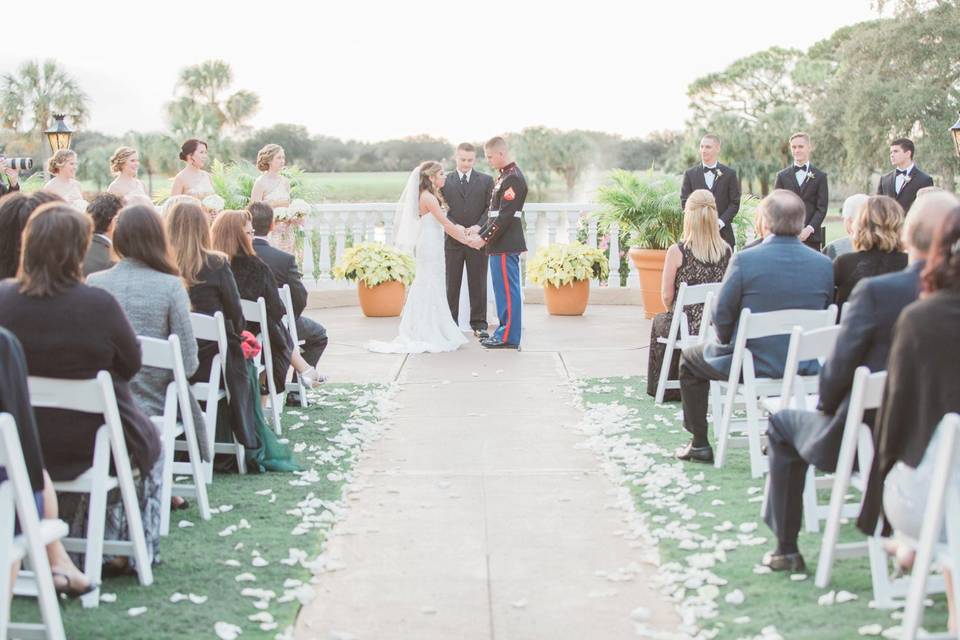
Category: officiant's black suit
[468,207]
[908,193]
[726,190]
[815,195]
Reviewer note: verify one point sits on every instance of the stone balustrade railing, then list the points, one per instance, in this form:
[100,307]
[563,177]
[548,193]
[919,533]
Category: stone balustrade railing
[331,227]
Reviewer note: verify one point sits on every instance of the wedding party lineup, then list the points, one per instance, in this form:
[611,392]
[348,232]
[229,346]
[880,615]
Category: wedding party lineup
[564,357]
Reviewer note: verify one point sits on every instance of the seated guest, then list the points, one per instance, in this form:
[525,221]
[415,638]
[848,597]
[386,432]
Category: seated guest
[147,285]
[103,210]
[212,287]
[851,207]
[15,400]
[781,273]
[759,229]
[15,209]
[798,438]
[876,246]
[921,387]
[286,271]
[231,234]
[700,257]
[47,292]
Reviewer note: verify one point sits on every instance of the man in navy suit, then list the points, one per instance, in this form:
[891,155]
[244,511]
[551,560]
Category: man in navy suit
[906,178]
[286,271]
[810,183]
[799,438]
[761,279]
[717,178]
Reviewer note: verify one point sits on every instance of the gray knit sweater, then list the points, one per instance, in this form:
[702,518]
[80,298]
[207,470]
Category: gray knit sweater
[157,306]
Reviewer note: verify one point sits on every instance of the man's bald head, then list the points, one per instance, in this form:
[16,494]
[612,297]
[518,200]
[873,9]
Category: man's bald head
[926,214]
[784,212]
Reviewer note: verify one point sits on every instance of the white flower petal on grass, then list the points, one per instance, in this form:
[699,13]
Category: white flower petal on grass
[263,616]
[798,577]
[870,630]
[108,597]
[760,569]
[177,597]
[269,626]
[741,620]
[259,562]
[263,492]
[195,599]
[735,597]
[243,524]
[224,508]
[133,612]
[754,490]
[894,632]
[183,524]
[227,631]
[846,596]
[748,527]
[827,599]
[246,577]
[229,531]
[232,563]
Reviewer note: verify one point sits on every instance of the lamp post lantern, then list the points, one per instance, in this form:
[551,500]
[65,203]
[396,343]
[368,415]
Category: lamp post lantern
[59,134]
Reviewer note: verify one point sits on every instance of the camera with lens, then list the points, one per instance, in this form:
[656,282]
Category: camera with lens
[18,164]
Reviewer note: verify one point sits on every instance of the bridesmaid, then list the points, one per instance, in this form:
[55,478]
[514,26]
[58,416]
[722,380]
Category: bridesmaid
[63,166]
[192,179]
[271,187]
[124,163]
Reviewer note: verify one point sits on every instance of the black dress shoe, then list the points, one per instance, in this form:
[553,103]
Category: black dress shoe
[491,343]
[695,454]
[481,333]
[792,562]
[293,400]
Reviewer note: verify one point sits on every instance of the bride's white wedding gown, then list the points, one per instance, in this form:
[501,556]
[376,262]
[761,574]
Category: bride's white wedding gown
[426,324]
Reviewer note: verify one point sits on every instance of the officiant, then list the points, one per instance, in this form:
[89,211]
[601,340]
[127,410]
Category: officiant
[467,193]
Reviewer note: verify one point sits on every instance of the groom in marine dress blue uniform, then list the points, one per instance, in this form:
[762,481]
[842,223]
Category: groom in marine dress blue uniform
[503,236]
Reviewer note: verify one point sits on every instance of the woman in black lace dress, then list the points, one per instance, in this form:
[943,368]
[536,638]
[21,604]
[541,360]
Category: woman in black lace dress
[700,257]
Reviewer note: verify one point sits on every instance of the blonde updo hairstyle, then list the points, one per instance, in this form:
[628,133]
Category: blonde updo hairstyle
[701,229]
[266,155]
[59,159]
[120,157]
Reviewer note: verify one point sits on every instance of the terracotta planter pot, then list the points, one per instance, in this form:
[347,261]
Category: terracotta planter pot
[568,300]
[649,264]
[382,301]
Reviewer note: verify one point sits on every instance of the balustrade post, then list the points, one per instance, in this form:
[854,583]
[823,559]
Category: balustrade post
[614,280]
[309,278]
[592,231]
[553,218]
[387,227]
[341,218]
[370,222]
[325,265]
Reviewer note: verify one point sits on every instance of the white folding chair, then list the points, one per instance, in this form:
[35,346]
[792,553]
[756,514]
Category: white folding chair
[942,501]
[166,354]
[678,336]
[290,322]
[209,393]
[753,390]
[96,396]
[16,494]
[257,312]
[802,392]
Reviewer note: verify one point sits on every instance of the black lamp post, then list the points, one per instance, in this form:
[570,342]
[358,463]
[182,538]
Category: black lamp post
[59,134]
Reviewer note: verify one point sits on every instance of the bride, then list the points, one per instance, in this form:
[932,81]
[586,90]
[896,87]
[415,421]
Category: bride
[420,222]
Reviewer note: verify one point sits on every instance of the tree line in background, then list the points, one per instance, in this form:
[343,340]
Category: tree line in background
[855,91]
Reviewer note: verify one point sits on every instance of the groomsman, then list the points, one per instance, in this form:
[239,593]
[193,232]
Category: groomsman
[906,179]
[810,183]
[719,179]
[467,193]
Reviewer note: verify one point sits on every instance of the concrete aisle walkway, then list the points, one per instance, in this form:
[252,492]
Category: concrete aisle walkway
[477,516]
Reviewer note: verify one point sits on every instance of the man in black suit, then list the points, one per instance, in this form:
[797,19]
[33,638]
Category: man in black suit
[906,179]
[467,193]
[717,178]
[286,271]
[103,210]
[810,183]
[799,438]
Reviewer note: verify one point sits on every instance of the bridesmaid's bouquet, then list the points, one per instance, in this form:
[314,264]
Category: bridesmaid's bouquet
[294,213]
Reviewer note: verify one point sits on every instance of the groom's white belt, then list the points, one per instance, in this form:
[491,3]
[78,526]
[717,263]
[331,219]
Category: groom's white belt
[495,214]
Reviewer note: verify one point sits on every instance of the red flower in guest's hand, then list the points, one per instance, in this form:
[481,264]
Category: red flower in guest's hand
[249,345]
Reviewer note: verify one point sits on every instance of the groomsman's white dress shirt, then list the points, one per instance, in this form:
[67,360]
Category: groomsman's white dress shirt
[901,179]
[709,177]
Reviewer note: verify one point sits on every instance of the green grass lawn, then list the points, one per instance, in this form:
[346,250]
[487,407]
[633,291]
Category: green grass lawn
[679,500]
[201,561]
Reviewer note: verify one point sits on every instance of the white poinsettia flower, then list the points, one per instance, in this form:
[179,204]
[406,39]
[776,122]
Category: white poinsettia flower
[213,202]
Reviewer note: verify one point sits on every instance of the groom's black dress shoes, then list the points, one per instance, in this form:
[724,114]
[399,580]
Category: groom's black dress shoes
[490,343]
[481,333]
[792,562]
[695,454]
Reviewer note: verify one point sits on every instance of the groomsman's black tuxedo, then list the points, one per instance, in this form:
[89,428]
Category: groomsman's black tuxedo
[726,190]
[908,193]
[815,195]
[468,204]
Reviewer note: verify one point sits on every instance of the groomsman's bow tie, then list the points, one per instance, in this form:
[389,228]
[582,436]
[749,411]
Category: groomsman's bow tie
[712,170]
[903,172]
[800,167]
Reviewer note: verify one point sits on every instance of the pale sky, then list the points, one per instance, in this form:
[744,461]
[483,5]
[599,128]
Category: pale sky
[374,70]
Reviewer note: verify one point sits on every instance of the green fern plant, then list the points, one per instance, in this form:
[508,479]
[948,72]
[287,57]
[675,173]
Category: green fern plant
[234,183]
[646,206]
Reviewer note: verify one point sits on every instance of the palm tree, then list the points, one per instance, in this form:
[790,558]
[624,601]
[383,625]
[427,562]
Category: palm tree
[30,96]
[201,107]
